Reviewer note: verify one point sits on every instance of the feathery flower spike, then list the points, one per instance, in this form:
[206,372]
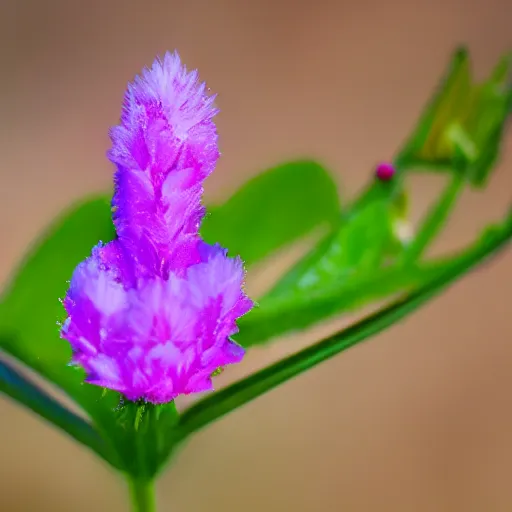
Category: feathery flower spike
[150,313]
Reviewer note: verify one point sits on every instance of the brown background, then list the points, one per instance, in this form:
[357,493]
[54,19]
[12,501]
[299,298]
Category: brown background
[420,419]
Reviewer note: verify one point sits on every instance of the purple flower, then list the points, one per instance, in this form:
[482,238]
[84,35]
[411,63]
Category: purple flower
[150,313]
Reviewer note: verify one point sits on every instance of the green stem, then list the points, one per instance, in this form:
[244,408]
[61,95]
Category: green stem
[142,494]
[435,219]
[19,388]
[245,390]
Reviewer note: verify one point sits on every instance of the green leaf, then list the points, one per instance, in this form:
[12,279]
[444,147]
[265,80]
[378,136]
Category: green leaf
[274,209]
[462,128]
[30,308]
[20,389]
[363,241]
[350,267]
[30,305]
[225,401]
[296,309]
[295,312]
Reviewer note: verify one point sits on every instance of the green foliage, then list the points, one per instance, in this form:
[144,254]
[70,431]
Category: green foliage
[19,388]
[462,128]
[30,306]
[274,209]
[239,393]
[362,258]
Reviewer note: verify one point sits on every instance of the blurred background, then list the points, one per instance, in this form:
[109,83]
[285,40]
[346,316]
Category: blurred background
[420,418]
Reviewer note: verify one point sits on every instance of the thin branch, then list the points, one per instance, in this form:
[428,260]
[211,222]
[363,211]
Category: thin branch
[20,389]
[245,390]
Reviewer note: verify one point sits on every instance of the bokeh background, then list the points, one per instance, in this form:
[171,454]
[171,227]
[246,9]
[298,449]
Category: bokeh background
[418,419]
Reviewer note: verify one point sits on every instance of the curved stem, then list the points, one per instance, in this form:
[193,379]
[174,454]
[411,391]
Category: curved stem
[142,495]
[435,219]
[21,389]
[245,390]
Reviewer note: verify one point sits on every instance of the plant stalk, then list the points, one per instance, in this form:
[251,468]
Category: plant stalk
[435,219]
[142,495]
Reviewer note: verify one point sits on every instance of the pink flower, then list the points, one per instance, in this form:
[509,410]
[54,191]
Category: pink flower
[150,314]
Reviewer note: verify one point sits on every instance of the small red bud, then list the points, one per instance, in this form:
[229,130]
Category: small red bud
[385,171]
